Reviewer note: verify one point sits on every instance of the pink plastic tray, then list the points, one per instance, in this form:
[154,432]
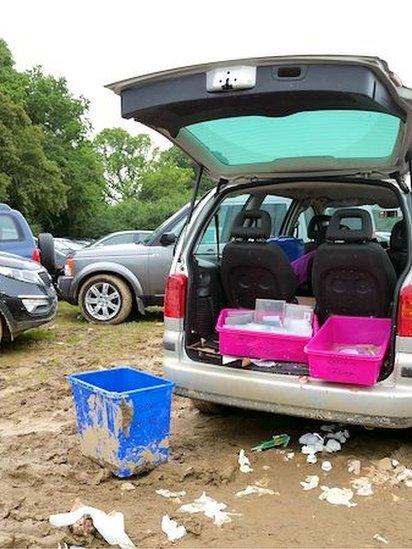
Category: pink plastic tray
[326,363]
[252,344]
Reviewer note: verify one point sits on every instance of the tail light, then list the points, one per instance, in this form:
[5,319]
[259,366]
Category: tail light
[36,256]
[405,312]
[175,296]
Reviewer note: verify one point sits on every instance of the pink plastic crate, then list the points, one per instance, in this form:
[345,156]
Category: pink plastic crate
[253,344]
[328,364]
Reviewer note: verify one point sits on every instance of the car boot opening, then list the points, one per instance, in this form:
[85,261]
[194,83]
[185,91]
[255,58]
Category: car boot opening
[340,247]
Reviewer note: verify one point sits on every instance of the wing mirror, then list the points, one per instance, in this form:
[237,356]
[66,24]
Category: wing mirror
[167,239]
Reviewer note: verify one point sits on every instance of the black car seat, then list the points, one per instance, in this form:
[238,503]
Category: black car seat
[398,247]
[253,268]
[316,231]
[352,275]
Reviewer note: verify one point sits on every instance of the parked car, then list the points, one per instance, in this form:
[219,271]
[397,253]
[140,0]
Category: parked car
[16,236]
[107,282]
[323,132]
[27,296]
[122,237]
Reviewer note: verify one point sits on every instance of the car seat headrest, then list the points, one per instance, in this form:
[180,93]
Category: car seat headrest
[317,227]
[398,236]
[252,224]
[338,230]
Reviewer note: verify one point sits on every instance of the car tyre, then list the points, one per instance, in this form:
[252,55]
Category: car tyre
[113,286]
[47,252]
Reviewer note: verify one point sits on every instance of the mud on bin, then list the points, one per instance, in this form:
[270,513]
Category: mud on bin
[123,418]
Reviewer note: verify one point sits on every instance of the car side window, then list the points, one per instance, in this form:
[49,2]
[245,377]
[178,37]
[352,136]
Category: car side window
[119,239]
[277,208]
[217,232]
[9,230]
[301,228]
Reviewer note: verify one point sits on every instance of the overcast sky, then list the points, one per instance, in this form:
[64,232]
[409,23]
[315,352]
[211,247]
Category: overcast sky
[95,42]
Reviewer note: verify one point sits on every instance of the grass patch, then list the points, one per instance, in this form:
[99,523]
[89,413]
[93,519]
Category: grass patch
[34,336]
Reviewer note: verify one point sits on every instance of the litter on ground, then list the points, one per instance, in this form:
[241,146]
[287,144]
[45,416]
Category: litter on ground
[333,446]
[310,482]
[277,440]
[354,466]
[341,436]
[244,463]
[172,530]
[326,466]
[289,456]
[210,508]
[311,458]
[380,538]
[168,494]
[249,490]
[109,525]
[337,496]
[127,486]
[363,486]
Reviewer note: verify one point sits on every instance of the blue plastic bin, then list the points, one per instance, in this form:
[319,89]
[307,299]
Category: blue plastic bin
[292,246]
[123,418]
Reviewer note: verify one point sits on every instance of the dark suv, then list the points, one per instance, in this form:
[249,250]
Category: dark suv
[27,296]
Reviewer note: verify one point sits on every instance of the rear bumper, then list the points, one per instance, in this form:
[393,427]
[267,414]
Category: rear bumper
[387,404]
[65,288]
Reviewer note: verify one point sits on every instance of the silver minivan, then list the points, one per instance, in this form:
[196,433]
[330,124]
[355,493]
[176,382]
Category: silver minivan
[318,148]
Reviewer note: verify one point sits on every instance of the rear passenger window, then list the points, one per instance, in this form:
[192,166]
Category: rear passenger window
[276,206]
[217,232]
[9,230]
[301,228]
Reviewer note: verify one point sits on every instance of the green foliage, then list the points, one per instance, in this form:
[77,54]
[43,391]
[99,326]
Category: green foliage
[29,181]
[67,183]
[125,158]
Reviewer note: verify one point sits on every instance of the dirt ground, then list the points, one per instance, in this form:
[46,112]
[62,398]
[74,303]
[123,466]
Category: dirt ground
[42,471]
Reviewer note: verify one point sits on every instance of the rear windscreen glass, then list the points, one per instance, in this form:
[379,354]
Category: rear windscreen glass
[335,134]
[9,231]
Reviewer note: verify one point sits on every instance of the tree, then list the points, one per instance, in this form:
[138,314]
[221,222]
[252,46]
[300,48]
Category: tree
[62,119]
[28,179]
[176,156]
[126,159]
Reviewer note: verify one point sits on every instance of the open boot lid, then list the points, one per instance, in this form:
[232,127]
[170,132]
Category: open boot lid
[280,116]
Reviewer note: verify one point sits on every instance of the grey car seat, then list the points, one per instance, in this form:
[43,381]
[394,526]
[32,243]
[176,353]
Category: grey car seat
[352,274]
[253,268]
[317,228]
[397,252]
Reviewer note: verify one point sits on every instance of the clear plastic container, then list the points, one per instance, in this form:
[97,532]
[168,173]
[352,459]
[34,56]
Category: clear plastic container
[270,312]
[299,312]
[239,318]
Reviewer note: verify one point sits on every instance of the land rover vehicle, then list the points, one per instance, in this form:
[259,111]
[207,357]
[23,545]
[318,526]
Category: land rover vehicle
[107,282]
[323,132]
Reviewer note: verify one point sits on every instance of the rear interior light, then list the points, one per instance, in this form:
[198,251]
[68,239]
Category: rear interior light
[175,296]
[36,256]
[405,312]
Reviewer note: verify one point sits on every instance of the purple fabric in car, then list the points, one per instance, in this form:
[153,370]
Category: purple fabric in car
[301,266]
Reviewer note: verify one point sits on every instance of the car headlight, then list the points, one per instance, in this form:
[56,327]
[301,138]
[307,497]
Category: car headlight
[23,275]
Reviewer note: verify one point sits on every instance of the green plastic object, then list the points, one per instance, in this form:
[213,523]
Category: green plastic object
[276,441]
[335,134]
